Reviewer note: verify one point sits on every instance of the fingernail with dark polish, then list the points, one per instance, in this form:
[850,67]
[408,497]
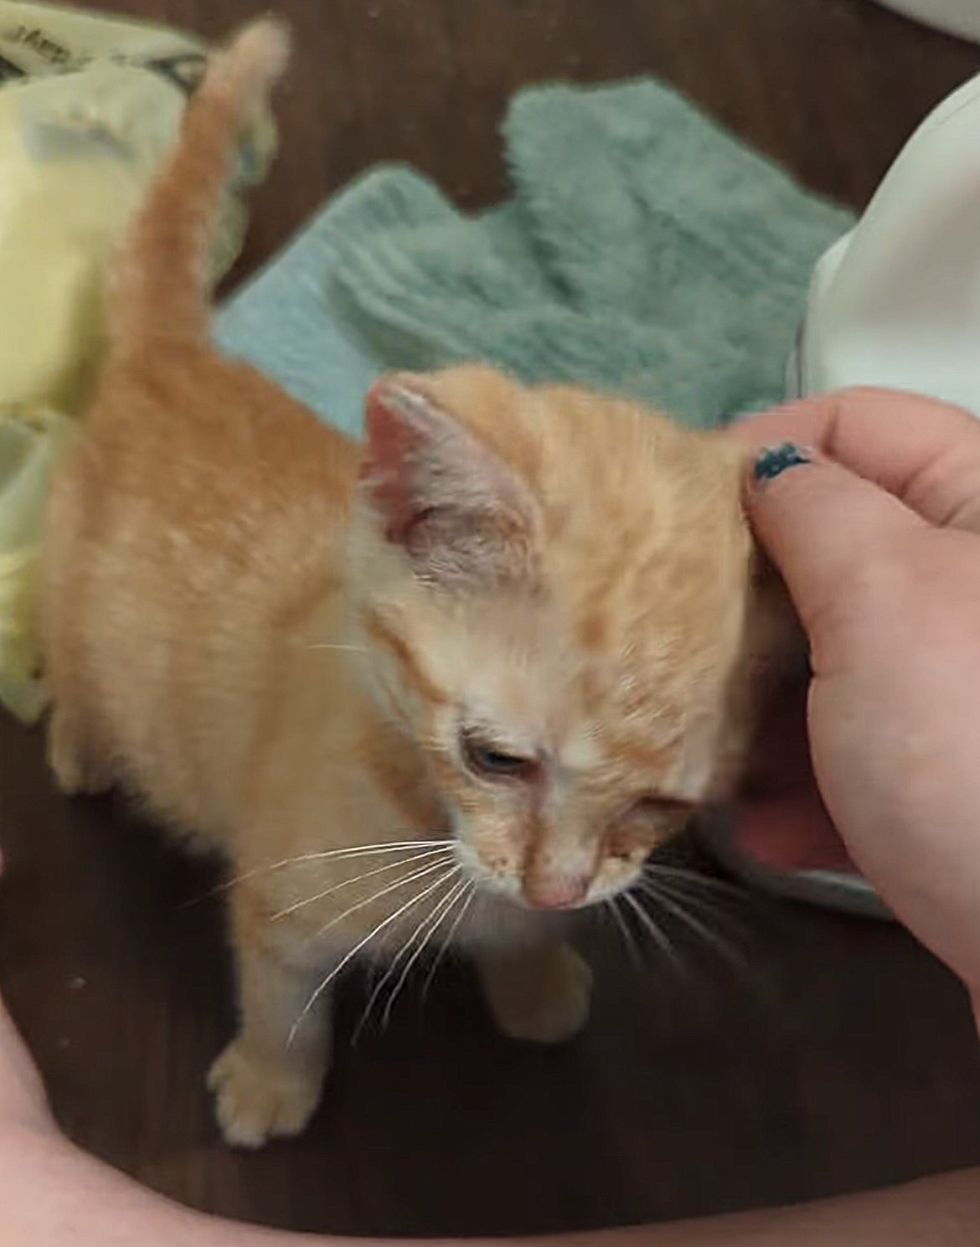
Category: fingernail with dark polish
[775,460]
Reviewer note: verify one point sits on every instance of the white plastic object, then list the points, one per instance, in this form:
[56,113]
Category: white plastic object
[896,302]
[955,17]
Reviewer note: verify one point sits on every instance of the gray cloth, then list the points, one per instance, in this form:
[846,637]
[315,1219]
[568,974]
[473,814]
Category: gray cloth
[643,250]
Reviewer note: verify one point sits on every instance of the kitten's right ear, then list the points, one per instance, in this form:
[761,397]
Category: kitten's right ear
[461,513]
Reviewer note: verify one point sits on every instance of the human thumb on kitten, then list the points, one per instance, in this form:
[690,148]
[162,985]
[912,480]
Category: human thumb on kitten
[825,529]
[890,601]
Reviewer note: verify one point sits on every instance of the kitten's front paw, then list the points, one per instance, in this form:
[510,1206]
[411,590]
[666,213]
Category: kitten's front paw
[257,1099]
[541,998]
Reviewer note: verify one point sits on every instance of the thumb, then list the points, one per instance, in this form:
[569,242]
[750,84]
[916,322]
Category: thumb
[820,524]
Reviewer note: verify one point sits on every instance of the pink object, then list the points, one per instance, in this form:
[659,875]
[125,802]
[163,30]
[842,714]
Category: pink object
[829,881]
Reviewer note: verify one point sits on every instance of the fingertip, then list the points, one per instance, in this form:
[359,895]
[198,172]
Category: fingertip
[772,462]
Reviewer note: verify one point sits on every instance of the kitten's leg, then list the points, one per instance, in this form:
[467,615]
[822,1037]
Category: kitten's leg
[74,756]
[539,993]
[268,1081]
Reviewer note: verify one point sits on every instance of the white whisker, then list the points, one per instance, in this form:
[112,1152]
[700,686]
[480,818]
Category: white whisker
[612,904]
[396,960]
[352,953]
[376,896]
[379,979]
[674,906]
[657,933]
[369,874]
[450,936]
[353,850]
[354,649]
[438,913]
[712,907]
[695,879]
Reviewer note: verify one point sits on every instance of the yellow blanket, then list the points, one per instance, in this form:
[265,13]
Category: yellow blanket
[89,106]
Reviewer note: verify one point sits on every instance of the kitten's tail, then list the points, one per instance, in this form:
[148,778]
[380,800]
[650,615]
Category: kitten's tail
[160,279]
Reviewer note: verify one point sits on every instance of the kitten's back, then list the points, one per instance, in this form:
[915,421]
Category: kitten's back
[200,522]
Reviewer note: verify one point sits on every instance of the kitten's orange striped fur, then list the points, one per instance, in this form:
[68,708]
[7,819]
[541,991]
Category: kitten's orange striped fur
[511,634]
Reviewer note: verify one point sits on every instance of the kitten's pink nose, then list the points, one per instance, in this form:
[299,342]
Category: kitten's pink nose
[555,891]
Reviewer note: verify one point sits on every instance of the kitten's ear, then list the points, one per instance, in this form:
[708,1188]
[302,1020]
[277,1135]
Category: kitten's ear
[461,513]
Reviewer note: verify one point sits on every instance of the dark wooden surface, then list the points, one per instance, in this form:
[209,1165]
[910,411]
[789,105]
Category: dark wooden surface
[842,1056]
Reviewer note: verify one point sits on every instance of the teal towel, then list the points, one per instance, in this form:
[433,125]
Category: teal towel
[643,251]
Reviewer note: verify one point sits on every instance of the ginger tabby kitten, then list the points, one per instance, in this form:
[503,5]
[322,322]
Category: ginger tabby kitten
[437,688]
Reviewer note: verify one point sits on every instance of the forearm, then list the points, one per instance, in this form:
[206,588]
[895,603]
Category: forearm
[934,1212]
[52,1196]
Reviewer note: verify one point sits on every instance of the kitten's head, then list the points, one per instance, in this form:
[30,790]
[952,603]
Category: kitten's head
[556,596]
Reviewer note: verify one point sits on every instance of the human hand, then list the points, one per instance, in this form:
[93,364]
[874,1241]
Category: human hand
[878,540]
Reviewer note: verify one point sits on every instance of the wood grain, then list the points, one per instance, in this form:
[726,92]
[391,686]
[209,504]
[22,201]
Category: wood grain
[839,1057]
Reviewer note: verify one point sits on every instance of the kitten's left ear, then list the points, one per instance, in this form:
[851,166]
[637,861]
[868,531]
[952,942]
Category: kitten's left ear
[458,510]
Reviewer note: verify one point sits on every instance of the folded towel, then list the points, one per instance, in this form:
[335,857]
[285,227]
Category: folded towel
[643,250]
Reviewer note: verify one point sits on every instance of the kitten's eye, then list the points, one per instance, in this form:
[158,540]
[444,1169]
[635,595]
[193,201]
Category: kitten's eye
[485,759]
